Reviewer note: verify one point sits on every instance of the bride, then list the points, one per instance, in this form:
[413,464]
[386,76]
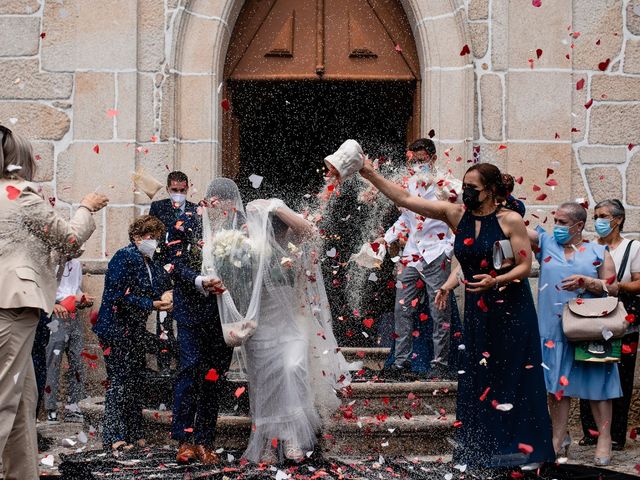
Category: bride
[275,307]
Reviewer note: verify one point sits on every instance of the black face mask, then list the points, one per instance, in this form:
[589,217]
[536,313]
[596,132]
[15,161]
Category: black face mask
[470,198]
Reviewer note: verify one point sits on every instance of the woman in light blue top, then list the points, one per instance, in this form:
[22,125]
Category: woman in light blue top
[569,267]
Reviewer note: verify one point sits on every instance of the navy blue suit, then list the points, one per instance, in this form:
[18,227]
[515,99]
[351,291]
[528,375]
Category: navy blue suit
[169,216]
[202,347]
[173,220]
[127,302]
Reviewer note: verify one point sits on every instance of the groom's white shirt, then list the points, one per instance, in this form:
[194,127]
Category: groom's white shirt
[426,238]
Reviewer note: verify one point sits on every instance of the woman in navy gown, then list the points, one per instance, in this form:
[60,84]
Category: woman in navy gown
[502,413]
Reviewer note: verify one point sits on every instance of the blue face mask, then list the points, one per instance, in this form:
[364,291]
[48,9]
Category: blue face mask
[603,227]
[424,168]
[561,234]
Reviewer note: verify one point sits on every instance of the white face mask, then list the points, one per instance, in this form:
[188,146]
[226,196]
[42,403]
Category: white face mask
[178,198]
[147,247]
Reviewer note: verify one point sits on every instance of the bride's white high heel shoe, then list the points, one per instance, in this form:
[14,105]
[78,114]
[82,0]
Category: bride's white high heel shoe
[293,452]
[269,456]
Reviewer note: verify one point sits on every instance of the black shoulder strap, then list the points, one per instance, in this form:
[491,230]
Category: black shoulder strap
[625,259]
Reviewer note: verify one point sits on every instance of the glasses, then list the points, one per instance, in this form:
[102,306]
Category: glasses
[5,132]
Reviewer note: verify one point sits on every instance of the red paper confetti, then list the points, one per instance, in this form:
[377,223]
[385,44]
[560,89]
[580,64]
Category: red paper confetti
[212,375]
[483,397]
[541,197]
[588,104]
[468,241]
[580,84]
[424,317]
[12,192]
[536,3]
[398,48]
[524,448]
[602,66]
[43,35]
[550,344]
[519,180]
[630,318]
[225,104]
[240,391]
[564,381]
[502,147]
[594,433]
[482,306]
[368,322]
[465,51]
[539,52]
[552,182]
[96,148]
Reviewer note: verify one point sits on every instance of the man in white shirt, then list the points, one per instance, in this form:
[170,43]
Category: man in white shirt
[67,336]
[425,264]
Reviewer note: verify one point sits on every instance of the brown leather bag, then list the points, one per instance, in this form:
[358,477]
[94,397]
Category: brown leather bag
[589,319]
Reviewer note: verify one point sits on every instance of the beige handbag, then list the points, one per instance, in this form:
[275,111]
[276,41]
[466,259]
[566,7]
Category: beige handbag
[592,319]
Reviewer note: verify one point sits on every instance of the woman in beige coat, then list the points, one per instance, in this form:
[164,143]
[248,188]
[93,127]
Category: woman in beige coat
[33,241]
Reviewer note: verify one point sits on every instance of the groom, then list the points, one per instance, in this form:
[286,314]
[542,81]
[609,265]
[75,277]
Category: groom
[204,357]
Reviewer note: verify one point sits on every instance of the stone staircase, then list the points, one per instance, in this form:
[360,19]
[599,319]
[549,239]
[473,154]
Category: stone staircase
[390,419]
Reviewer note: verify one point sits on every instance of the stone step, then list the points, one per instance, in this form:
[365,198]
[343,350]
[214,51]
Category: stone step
[390,436]
[386,434]
[417,398]
[372,358]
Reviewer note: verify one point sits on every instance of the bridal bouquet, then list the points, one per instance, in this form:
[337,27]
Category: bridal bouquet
[231,247]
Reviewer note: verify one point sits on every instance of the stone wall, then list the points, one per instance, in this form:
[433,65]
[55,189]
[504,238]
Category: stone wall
[103,88]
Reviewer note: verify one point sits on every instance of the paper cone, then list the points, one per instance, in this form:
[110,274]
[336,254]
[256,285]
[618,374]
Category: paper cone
[146,183]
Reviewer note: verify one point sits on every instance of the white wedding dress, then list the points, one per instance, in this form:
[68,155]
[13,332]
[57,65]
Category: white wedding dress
[291,358]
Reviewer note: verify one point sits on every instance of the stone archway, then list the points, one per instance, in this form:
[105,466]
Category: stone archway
[201,42]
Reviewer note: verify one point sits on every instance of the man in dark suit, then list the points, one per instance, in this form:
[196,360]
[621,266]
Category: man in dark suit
[174,212]
[204,357]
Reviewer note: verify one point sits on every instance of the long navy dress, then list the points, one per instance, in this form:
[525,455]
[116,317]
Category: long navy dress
[501,363]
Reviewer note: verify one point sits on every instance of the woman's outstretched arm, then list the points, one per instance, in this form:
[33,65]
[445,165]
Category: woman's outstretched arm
[438,210]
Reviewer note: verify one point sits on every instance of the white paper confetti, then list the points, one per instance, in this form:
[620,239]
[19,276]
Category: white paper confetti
[504,407]
[47,460]
[373,277]
[331,253]
[256,180]
[606,334]
[281,475]
[82,437]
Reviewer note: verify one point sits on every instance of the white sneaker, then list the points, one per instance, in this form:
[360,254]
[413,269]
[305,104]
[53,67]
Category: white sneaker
[52,416]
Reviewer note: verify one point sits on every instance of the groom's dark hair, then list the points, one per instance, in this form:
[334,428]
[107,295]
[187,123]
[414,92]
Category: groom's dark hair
[425,144]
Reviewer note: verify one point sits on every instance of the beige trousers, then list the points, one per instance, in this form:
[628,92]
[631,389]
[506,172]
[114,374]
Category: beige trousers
[18,394]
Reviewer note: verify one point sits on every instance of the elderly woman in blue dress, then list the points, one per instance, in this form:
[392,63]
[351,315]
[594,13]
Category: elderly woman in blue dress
[571,266]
